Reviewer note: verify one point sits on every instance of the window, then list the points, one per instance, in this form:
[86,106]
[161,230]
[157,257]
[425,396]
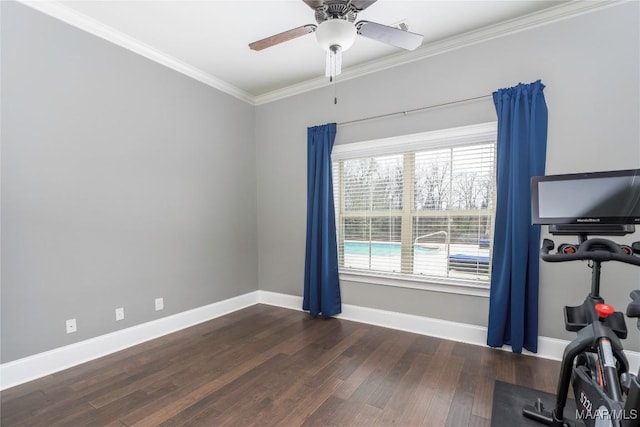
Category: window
[418,208]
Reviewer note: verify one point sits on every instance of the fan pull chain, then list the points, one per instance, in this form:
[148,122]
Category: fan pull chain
[335,94]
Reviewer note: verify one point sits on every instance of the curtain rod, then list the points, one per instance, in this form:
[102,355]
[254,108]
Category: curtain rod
[404,113]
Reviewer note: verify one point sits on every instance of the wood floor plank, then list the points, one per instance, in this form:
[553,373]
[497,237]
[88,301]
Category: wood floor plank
[460,409]
[408,401]
[270,366]
[443,374]
[302,413]
[367,415]
[379,362]
[475,421]
[483,397]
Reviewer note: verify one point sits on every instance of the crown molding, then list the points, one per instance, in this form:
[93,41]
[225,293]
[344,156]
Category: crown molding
[92,26]
[536,19]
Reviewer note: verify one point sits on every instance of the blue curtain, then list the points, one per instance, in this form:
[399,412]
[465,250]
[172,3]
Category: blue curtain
[521,153]
[321,282]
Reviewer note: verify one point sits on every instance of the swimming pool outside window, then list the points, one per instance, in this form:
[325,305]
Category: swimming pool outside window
[418,207]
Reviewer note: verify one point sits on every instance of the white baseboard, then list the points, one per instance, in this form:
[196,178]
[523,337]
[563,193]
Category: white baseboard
[39,365]
[548,348]
[42,364]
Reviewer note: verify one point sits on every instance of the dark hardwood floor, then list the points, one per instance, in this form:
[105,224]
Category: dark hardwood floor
[271,366]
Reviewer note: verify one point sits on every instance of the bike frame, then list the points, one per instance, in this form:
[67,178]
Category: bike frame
[601,399]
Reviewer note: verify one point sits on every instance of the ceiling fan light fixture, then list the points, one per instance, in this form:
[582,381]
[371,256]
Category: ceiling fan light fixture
[336,32]
[334,61]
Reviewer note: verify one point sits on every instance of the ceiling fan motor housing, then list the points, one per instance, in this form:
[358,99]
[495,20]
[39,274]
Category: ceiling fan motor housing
[336,9]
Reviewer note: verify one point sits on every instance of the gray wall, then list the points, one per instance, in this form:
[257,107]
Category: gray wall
[122,181]
[591,67]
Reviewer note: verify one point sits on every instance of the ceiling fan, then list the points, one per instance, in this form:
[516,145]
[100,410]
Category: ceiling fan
[336,31]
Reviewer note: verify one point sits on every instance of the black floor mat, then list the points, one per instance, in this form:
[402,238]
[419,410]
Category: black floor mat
[509,399]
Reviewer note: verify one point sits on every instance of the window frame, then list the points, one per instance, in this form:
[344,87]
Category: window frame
[412,143]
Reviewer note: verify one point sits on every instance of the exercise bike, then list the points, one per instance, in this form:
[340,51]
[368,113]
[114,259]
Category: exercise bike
[594,363]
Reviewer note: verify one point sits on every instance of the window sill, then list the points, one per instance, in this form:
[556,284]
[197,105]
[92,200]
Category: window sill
[451,286]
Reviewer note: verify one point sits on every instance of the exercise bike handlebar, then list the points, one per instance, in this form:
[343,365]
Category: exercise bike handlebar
[592,249]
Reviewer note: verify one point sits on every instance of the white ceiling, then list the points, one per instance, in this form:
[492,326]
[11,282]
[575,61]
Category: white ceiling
[207,39]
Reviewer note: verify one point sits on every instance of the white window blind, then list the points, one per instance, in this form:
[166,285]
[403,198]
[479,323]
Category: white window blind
[421,206]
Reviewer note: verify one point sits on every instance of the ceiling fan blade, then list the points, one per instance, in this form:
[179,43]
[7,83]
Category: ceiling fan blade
[362,4]
[390,35]
[282,37]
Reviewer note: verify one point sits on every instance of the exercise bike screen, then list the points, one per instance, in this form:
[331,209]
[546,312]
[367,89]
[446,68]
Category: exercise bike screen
[593,198]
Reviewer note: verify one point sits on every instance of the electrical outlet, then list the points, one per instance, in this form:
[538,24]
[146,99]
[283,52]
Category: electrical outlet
[71,326]
[120,313]
[159,304]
